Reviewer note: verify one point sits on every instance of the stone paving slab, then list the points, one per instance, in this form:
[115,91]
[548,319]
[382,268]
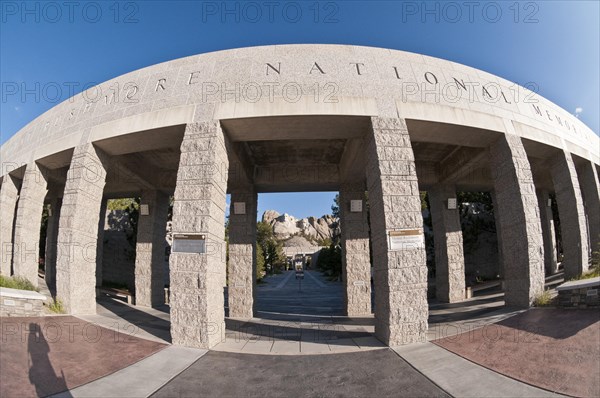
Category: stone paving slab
[285,347]
[311,348]
[258,347]
[343,345]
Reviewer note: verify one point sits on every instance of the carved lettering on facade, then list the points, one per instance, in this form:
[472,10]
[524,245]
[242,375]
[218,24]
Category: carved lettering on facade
[491,92]
[316,67]
[276,70]
[160,85]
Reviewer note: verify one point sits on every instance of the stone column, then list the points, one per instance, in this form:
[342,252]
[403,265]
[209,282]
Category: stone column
[150,250]
[498,235]
[548,234]
[520,227]
[356,265]
[78,230]
[400,272]
[100,244]
[197,280]
[28,222]
[242,255]
[9,194]
[51,238]
[572,215]
[447,236]
[590,188]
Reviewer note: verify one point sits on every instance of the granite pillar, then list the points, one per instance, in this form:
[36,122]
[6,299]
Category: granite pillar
[400,270]
[26,246]
[519,222]
[198,279]
[150,249]
[9,195]
[590,188]
[356,264]
[571,212]
[447,236]
[100,240]
[242,253]
[498,235]
[51,242]
[548,234]
[78,230]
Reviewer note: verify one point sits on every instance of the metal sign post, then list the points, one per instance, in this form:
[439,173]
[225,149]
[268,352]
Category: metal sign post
[299,276]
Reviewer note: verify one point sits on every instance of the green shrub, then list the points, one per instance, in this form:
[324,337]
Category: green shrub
[543,299]
[16,282]
[56,306]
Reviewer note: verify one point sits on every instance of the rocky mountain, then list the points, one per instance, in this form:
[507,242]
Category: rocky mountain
[285,225]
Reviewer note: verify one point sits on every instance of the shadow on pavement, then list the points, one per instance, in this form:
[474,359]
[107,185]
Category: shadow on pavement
[151,324]
[41,371]
[244,330]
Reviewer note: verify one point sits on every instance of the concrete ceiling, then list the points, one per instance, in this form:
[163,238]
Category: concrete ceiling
[296,152]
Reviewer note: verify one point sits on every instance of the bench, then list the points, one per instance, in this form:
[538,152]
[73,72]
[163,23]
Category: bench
[469,290]
[120,293]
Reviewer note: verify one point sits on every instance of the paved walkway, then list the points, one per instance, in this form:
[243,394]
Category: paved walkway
[144,322]
[307,317]
[557,349]
[462,378]
[299,317]
[142,378]
[379,373]
[304,320]
[45,355]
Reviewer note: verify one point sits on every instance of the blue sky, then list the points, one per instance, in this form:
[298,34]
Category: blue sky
[45,45]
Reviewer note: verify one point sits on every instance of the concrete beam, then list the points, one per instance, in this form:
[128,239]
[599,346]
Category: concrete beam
[296,178]
[460,163]
[353,161]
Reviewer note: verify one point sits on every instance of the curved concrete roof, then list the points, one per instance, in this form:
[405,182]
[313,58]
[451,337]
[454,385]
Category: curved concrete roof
[265,81]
